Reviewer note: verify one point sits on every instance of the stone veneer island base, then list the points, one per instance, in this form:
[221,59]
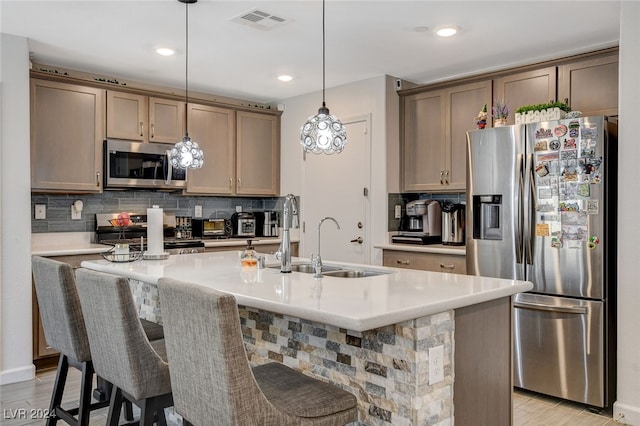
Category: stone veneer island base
[386,367]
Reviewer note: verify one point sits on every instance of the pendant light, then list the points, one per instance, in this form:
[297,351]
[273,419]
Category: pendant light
[186,154]
[323,132]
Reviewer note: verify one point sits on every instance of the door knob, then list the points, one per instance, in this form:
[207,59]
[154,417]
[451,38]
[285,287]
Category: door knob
[358,240]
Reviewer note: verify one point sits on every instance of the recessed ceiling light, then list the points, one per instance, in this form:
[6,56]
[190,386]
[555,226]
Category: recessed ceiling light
[165,51]
[447,31]
[285,77]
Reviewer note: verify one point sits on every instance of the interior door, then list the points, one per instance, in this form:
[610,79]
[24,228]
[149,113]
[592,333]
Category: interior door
[336,186]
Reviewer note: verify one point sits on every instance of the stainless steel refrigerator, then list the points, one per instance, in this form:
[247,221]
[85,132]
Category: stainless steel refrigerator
[541,202]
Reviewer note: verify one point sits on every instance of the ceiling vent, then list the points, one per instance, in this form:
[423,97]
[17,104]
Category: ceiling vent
[260,19]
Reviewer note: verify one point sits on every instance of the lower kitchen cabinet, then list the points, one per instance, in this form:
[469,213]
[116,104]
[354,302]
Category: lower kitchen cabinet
[260,248]
[44,356]
[436,262]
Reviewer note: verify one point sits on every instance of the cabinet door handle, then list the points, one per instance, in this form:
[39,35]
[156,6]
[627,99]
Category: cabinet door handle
[230,183]
[141,128]
[441,174]
[446,179]
[153,130]
[403,262]
[98,179]
[443,266]
[239,183]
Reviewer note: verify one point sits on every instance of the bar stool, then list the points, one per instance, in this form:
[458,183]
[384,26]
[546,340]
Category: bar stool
[65,331]
[211,376]
[121,352]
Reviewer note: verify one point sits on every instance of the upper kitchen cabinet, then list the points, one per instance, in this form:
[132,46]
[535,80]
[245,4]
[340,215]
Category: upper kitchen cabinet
[433,136]
[526,88]
[67,129]
[214,130]
[257,154]
[146,119]
[590,86]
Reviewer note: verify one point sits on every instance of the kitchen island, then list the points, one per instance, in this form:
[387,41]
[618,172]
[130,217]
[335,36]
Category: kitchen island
[373,336]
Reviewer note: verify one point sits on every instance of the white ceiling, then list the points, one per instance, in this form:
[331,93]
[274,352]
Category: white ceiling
[364,39]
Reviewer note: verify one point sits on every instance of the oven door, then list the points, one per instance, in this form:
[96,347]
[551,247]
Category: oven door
[140,165]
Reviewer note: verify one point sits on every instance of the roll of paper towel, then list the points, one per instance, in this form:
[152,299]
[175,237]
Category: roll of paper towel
[155,239]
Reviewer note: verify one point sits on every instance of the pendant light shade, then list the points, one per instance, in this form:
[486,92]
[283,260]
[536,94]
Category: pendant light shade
[323,132]
[186,154]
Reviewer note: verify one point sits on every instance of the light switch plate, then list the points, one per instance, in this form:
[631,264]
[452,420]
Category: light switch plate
[398,211]
[197,211]
[41,211]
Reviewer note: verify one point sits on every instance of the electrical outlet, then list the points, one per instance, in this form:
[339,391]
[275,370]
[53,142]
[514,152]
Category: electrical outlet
[436,364]
[41,211]
[238,209]
[198,211]
[75,214]
[398,211]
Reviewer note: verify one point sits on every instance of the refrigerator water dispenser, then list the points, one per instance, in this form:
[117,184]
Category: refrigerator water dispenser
[487,217]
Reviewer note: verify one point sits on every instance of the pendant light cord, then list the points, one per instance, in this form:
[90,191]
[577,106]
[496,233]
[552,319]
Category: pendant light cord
[186,72]
[323,58]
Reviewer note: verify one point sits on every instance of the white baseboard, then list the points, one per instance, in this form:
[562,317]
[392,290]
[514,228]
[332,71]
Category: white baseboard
[21,374]
[626,414]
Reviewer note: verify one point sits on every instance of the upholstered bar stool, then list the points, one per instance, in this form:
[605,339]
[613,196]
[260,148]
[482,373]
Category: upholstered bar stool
[212,380]
[65,331]
[120,350]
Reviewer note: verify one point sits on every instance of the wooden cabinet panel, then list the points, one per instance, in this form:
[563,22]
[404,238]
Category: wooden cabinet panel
[434,136]
[257,154]
[214,129]
[424,141]
[126,116]
[260,248]
[67,129]
[590,86]
[526,88]
[464,103]
[425,261]
[166,120]
[145,119]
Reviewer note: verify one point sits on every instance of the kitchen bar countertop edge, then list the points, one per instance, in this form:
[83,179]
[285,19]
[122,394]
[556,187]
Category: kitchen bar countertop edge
[357,304]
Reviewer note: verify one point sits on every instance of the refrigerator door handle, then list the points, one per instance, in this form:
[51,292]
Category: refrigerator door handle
[569,309]
[519,209]
[533,202]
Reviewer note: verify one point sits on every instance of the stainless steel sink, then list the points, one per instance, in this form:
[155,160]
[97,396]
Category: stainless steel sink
[351,273]
[332,270]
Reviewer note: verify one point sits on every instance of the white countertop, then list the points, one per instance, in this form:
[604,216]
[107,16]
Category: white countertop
[78,243]
[353,303]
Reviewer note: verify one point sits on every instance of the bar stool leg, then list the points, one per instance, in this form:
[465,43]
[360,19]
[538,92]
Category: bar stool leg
[85,393]
[114,407]
[58,389]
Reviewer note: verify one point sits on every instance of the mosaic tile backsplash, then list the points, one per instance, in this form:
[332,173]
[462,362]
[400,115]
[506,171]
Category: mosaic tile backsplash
[395,199]
[58,207]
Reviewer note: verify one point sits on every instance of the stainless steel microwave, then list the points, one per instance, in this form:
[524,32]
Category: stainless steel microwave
[130,164]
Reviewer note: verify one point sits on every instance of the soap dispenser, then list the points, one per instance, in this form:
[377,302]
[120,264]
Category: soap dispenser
[249,258]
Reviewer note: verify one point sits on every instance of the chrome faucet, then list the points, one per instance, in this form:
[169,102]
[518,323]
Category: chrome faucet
[317,260]
[289,220]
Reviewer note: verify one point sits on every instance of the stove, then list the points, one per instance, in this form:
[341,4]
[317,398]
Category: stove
[136,233]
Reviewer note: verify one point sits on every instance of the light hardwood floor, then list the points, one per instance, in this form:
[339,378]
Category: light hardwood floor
[24,404]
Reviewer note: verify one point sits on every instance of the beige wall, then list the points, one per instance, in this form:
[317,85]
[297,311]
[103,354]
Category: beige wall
[15,217]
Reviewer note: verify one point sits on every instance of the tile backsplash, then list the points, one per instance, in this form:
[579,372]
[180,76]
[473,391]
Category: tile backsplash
[402,200]
[58,207]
